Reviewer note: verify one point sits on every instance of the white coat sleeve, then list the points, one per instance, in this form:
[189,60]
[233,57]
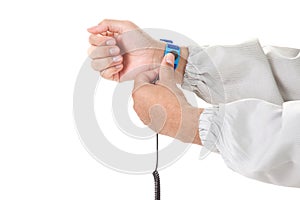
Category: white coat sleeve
[257,139]
[222,74]
[285,64]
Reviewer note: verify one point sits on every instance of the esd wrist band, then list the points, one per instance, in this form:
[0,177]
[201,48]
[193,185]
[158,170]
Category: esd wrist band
[174,49]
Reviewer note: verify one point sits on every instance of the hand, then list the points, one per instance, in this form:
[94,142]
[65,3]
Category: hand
[163,107]
[120,50]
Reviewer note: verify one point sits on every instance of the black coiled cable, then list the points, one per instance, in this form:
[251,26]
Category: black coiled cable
[156,175]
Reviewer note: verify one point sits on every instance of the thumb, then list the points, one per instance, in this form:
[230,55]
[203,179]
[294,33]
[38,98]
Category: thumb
[166,72]
[144,78]
[115,26]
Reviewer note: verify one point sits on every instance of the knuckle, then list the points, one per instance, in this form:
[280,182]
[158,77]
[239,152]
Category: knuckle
[96,53]
[130,24]
[92,54]
[134,97]
[109,73]
[135,107]
[104,21]
[127,22]
[90,39]
[94,64]
[97,40]
[107,76]
[90,50]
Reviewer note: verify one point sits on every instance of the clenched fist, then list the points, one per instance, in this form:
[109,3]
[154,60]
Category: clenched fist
[120,50]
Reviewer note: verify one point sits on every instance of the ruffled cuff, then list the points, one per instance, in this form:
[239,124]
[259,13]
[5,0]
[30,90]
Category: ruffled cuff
[202,77]
[193,76]
[210,124]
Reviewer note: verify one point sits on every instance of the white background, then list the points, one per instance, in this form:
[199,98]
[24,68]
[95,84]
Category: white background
[44,43]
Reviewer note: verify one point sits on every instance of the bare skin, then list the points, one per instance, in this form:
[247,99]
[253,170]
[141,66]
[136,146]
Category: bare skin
[134,51]
[166,110]
[121,51]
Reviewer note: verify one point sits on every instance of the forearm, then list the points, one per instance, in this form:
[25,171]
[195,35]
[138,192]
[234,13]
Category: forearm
[189,125]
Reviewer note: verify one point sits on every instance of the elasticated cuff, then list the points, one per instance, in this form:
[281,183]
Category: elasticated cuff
[210,126]
[202,77]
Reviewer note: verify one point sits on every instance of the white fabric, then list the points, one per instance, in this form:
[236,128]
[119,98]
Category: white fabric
[285,64]
[257,139]
[222,74]
[257,134]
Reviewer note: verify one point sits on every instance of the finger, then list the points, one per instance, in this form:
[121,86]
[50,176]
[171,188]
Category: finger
[101,40]
[91,49]
[166,72]
[108,33]
[103,63]
[104,51]
[116,77]
[111,71]
[116,26]
[144,78]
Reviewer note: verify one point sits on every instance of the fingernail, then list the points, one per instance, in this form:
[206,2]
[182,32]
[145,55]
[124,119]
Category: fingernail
[118,66]
[113,51]
[169,59]
[117,58]
[110,42]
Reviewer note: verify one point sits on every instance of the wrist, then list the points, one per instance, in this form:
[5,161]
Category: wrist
[194,124]
[158,55]
[159,51]
[181,65]
[189,125]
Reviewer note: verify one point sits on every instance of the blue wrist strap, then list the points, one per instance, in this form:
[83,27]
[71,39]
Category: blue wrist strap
[174,49]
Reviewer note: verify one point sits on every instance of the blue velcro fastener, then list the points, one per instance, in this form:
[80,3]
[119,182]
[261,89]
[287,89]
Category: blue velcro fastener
[167,41]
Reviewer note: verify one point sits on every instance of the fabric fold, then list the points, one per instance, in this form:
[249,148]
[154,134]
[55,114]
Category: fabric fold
[210,123]
[255,138]
[222,74]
